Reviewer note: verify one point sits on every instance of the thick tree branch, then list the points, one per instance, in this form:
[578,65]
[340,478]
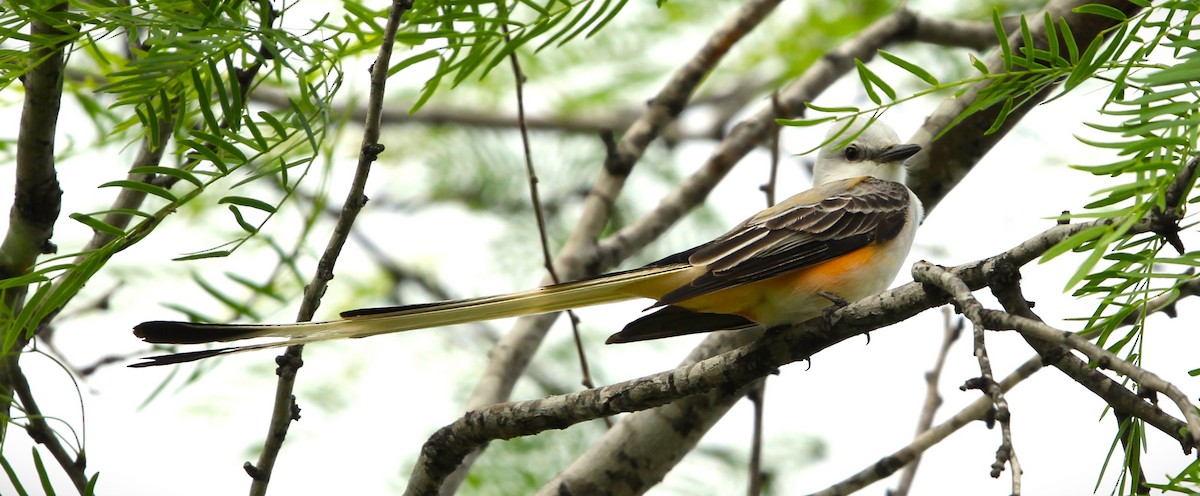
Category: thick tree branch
[976,35]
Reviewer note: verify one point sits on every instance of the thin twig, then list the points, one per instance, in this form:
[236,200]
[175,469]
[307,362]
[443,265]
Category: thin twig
[1122,400]
[928,273]
[951,330]
[285,409]
[888,465]
[757,396]
[41,432]
[1104,359]
[758,392]
[768,188]
[535,198]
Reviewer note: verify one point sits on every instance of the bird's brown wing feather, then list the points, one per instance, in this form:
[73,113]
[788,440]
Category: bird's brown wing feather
[809,228]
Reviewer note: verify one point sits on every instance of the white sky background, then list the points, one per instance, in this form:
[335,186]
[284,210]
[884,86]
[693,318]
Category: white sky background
[368,405]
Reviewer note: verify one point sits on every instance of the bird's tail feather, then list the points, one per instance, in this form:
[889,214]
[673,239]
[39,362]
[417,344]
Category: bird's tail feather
[372,321]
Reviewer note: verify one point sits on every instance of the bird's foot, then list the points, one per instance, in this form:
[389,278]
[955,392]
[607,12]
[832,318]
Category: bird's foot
[838,304]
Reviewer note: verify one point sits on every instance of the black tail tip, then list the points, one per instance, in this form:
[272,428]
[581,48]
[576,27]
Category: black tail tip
[178,358]
[173,332]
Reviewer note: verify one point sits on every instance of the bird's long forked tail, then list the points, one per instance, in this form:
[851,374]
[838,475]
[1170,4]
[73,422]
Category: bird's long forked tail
[373,321]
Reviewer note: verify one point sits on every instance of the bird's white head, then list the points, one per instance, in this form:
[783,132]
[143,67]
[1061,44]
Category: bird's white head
[875,152]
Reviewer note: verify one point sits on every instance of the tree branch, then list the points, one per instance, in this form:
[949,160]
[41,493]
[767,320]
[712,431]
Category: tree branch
[37,196]
[41,432]
[927,273]
[888,465]
[1106,360]
[1036,330]
[284,409]
[1123,401]
[933,400]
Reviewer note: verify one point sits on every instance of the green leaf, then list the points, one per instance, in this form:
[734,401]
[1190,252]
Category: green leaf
[207,153]
[1073,241]
[203,101]
[1001,116]
[277,126]
[1084,67]
[98,225]
[43,475]
[218,82]
[1005,50]
[90,489]
[1101,10]
[979,65]
[222,143]
[261,289]
[302,120]
[260,141]
[1052,41]
[248,202]
[232,303]
[611,14]
[202,255]
[1186,72]
[246,226]
[149,189]
[870,79]
[12,477]
[831,110]
[1069,40]
[403,64]
[1027,45]
[804,122]
[1097,251]
[912,68]
[169,171]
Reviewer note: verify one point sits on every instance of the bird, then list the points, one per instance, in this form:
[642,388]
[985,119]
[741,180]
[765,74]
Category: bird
[842,240]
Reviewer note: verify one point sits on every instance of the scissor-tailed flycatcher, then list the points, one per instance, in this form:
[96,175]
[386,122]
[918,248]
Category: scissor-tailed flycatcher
[844,238]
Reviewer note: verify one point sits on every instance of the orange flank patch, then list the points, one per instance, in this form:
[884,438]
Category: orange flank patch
[763,301]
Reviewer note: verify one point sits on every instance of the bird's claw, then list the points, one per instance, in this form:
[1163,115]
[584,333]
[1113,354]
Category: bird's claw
[837,304]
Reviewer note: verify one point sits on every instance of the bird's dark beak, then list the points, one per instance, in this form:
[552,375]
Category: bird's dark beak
[896,153]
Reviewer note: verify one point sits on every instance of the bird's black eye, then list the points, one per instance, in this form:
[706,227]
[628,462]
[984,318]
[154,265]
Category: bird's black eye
[853,153]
